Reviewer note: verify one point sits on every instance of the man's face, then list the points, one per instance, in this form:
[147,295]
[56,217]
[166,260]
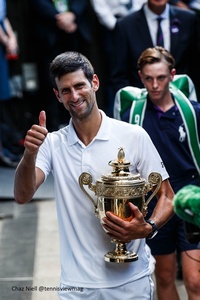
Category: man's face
[76,93]
[157,6]
[156,78]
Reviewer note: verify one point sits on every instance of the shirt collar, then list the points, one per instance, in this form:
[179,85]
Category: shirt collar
[150,105]
[102,134]
[152,16]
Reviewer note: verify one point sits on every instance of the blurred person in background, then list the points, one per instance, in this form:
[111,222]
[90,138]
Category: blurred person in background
[108,12]
[60,25]
[193,5]
[8,48]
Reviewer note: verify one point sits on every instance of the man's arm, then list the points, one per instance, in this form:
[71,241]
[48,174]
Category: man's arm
[8,38]
[27,177]
[138,228]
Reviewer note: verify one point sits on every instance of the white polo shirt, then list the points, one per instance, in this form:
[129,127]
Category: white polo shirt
[83,242]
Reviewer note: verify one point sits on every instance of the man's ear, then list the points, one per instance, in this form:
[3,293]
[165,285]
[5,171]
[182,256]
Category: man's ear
[95,82]
[57,95]
[173,73]
[140,74]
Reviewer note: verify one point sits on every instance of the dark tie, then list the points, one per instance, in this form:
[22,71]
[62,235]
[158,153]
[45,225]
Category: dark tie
[159,37]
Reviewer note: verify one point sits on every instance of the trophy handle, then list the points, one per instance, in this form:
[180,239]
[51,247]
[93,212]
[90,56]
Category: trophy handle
[154,179]
[86,179]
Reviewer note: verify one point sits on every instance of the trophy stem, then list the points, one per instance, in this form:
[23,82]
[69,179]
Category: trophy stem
[120,254]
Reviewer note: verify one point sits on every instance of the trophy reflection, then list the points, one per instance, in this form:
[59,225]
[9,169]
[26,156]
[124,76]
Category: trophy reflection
[114,191]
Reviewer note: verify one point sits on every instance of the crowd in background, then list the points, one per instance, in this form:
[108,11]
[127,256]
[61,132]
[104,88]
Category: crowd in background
[88,27]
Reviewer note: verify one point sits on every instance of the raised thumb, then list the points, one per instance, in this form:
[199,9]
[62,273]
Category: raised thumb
[42,119]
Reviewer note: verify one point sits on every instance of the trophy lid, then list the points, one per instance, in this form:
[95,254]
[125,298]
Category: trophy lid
[120,163]
[121,170]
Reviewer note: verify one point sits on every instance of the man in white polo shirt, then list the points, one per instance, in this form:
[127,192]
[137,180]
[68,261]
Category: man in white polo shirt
[87,144]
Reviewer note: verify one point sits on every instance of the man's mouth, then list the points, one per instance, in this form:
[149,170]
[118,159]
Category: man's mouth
[155,93]
[77,104]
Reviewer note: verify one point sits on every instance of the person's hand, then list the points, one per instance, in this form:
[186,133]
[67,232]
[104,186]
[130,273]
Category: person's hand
[11,45]
[66,21]
[36,135]
[125,231]
[9,42]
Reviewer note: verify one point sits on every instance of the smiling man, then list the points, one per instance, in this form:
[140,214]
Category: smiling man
[87,144]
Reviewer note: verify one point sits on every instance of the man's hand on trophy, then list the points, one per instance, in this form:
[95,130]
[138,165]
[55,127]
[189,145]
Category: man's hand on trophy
[125,231]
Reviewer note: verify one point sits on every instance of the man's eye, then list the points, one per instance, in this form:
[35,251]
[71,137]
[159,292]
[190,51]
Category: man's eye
[65,91]
[80,86]
[148,78]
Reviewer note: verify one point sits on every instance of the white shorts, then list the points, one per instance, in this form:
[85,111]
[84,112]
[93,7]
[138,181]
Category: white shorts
[139,289]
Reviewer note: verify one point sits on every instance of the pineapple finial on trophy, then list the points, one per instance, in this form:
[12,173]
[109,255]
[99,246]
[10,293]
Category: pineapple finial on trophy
[121,155]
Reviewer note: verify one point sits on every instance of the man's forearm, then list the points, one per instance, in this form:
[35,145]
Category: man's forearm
[25,179]
[164,208]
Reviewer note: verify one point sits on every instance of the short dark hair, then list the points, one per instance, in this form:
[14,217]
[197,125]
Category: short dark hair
[154,55]
[68,62]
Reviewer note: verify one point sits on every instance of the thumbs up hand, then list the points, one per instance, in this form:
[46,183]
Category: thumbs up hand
[36,135]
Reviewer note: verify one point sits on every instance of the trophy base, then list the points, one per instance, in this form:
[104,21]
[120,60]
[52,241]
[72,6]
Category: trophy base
[120,258]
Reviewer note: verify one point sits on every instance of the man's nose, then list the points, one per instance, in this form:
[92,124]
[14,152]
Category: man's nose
[155,83]
[74,95]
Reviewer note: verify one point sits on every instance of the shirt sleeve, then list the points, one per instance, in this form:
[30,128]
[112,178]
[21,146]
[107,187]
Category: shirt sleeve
[43,160]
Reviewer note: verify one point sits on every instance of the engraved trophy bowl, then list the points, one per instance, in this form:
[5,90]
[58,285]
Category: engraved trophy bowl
[114,191]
